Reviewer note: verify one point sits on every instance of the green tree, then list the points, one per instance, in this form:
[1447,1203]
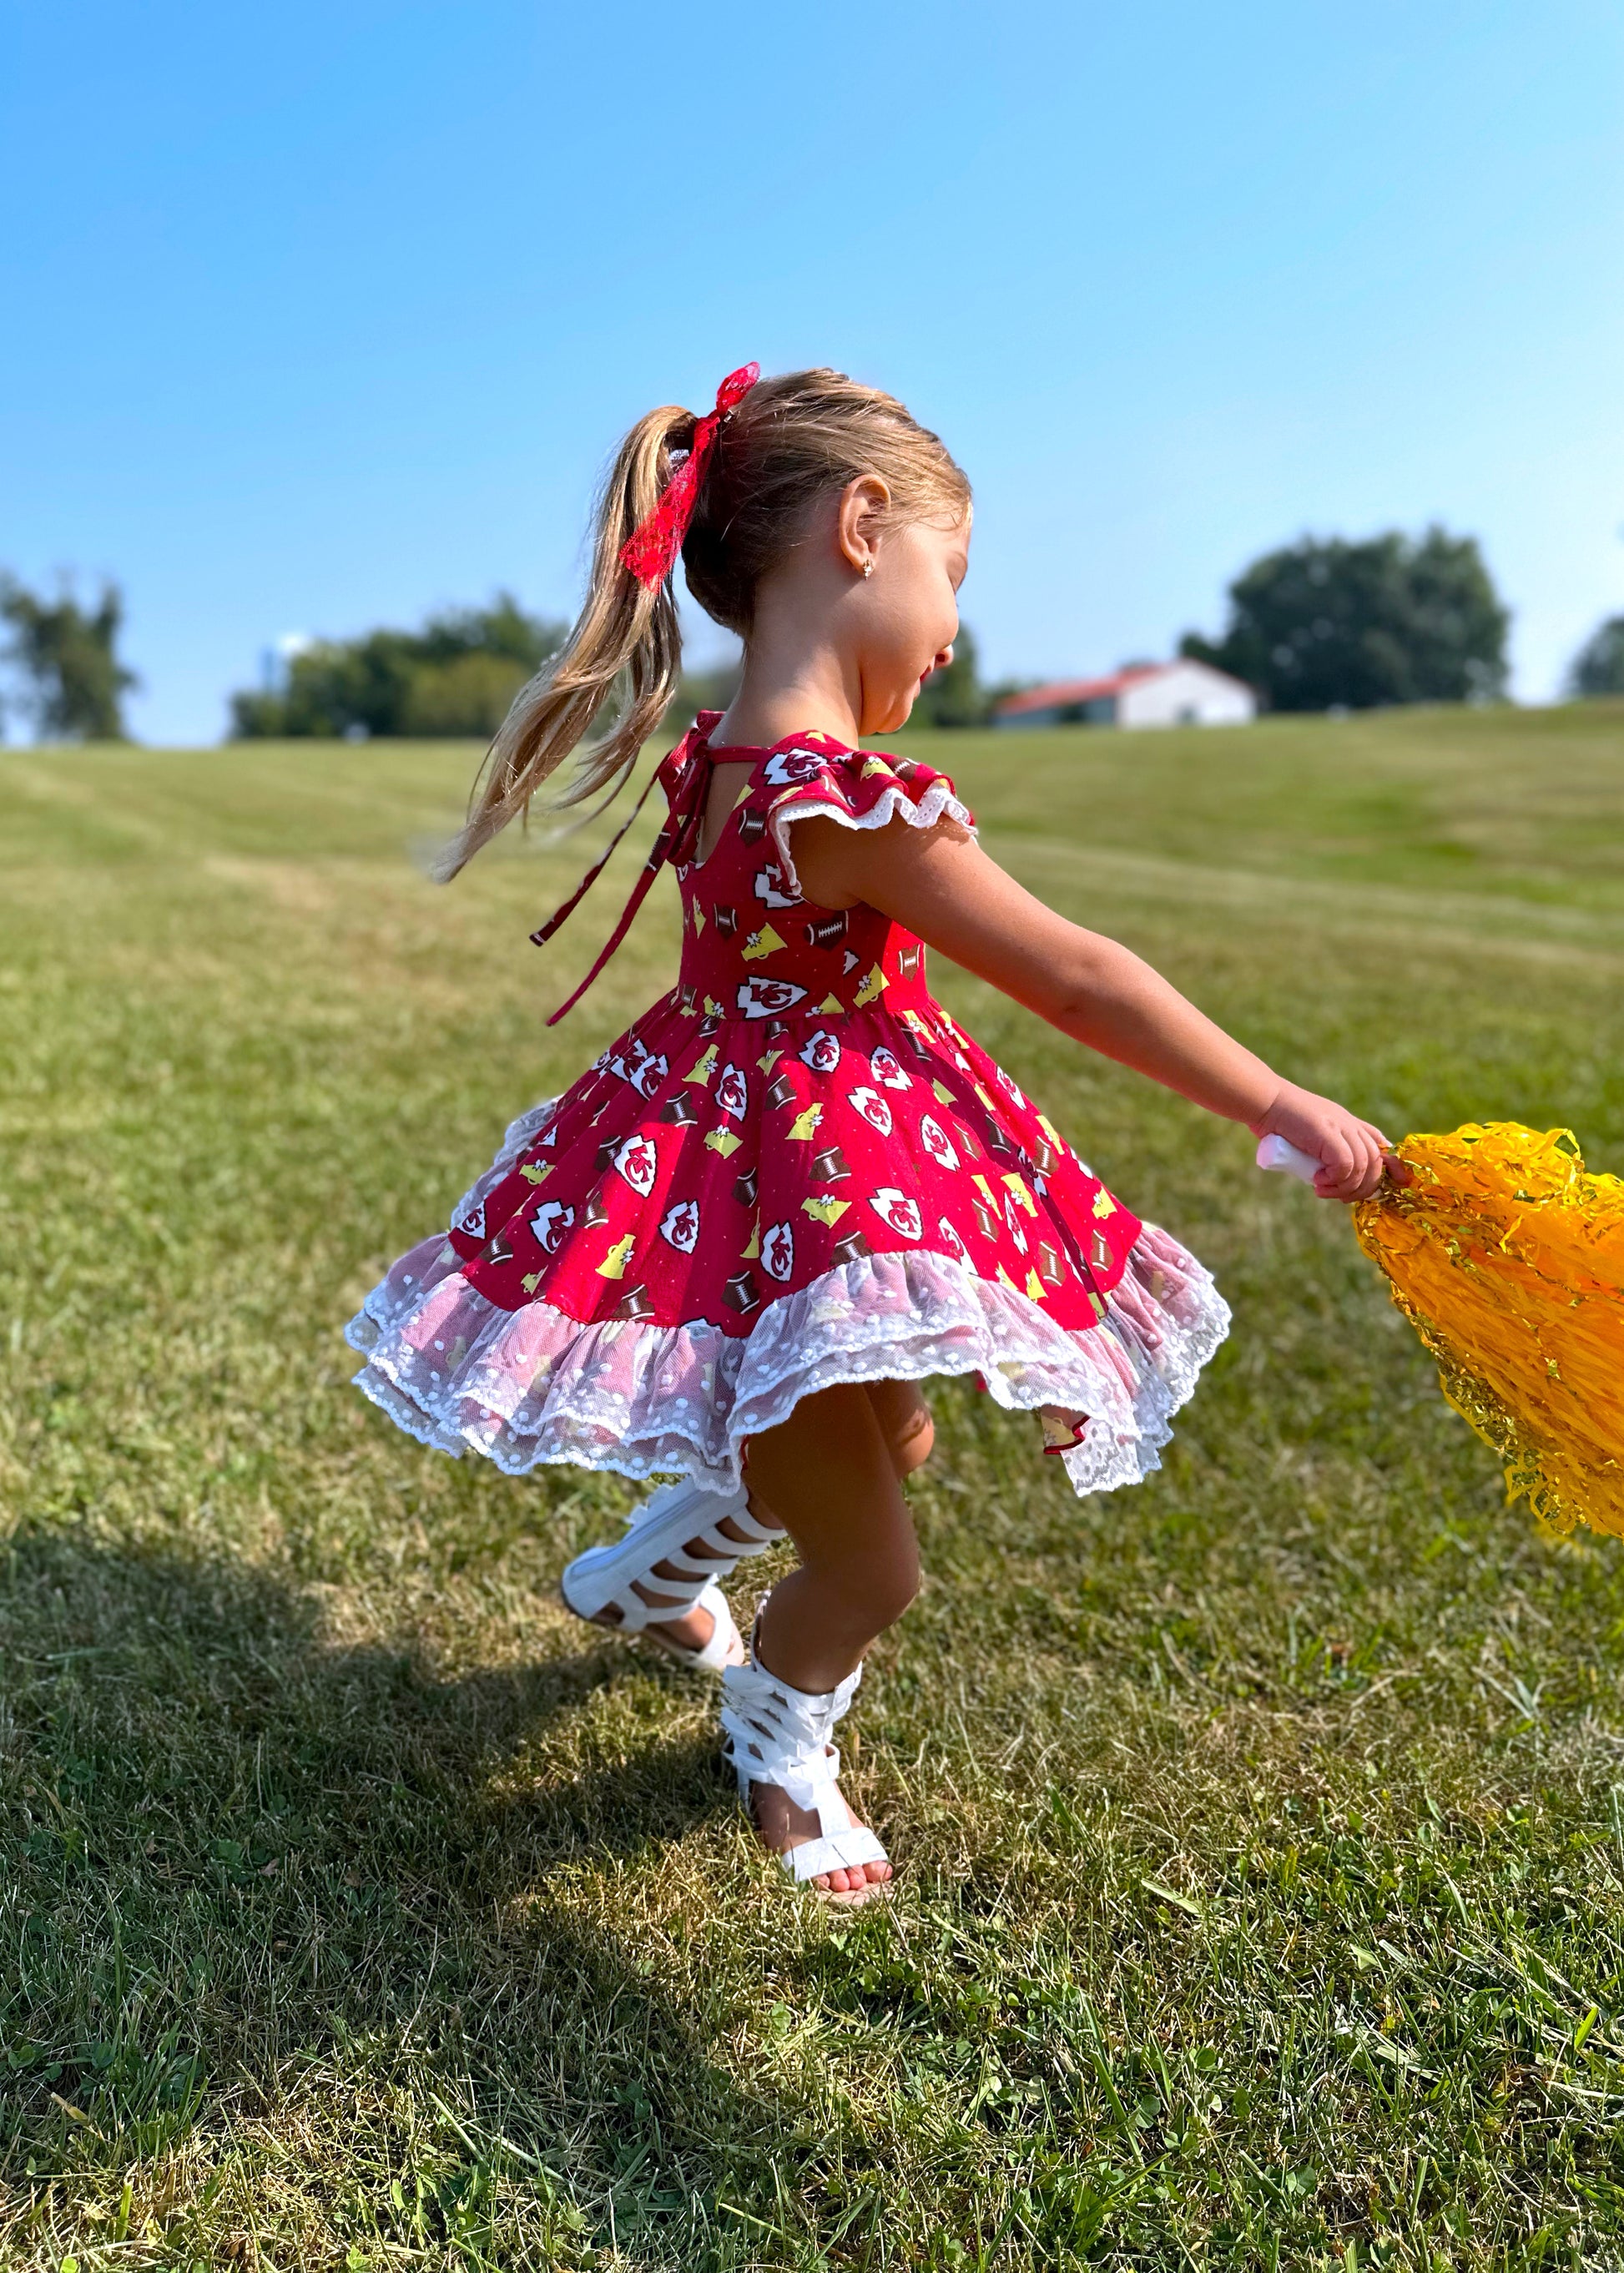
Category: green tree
[1325,624]
[454,679]
[954,697]
[1598,667]
[67,657]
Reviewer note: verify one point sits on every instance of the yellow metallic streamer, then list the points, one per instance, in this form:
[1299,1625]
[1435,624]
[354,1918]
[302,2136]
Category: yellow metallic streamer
[1507,1259]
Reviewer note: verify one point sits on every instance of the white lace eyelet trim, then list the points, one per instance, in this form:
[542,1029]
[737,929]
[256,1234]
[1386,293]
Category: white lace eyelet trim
[533,1386]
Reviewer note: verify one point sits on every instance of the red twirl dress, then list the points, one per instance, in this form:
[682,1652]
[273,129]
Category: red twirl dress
[793,1170]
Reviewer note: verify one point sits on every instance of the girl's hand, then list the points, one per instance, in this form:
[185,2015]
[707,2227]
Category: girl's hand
[1355,1155]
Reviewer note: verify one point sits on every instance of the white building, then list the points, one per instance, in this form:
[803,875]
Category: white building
[1180,694]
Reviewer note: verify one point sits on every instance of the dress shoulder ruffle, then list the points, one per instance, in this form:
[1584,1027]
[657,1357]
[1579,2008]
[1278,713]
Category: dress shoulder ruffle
[858,788]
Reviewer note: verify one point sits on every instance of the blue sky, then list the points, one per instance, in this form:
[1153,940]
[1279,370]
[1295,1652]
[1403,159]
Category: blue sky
[323,316]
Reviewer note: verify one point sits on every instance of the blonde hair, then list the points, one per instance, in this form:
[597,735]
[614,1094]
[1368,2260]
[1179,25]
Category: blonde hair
[790,441]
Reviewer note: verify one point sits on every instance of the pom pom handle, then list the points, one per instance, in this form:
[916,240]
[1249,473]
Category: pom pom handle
[1275,1153]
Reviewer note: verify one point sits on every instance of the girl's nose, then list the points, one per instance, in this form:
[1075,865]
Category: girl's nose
[944,655]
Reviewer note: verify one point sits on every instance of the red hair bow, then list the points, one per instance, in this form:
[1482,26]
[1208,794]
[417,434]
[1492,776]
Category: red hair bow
[650,552]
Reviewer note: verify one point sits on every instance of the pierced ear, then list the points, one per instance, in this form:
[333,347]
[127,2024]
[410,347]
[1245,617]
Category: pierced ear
[864,504]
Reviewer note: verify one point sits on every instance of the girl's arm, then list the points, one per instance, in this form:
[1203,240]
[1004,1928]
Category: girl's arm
[943,887]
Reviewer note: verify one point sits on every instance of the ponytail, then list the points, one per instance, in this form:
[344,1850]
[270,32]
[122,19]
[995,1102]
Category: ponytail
[754,469]
[626,636]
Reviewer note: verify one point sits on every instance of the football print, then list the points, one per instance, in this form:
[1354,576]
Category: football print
[950,1239]
[786,767]
[854,1148]
[770,887]
[549,1224]
[897,1209]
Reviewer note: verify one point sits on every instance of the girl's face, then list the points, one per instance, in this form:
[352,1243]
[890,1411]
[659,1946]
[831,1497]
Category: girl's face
[906,615]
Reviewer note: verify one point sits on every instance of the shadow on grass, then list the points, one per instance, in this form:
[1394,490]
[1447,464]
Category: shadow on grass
[251,1871]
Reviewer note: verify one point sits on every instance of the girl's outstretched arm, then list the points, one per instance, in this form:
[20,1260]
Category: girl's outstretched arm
[941,886]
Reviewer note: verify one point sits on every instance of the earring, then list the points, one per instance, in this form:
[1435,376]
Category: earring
[868,567]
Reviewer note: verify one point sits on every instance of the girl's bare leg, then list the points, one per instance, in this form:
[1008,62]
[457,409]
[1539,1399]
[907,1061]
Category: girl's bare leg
[829,1476]
[832,1476]
[904,1420]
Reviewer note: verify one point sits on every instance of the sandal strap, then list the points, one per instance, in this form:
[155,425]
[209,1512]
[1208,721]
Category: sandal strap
[713,1657]
[779,1735]
[701,1515]
[839,1850]
[681,1513]
[658,1531]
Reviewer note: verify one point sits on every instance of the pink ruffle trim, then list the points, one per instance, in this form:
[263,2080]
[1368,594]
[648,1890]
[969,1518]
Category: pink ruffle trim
[533,1386]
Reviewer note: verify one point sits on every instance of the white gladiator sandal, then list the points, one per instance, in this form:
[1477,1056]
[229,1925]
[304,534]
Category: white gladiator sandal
[658,1531]
[780,1735]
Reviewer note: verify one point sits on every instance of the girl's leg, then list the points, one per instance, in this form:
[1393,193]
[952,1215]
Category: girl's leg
[830,1476]
[904,1423]
[904,1420]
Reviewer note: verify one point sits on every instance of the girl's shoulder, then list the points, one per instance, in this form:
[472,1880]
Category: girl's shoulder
[810,776]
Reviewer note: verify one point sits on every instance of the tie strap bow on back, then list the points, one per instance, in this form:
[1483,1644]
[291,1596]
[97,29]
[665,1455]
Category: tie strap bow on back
[685,777]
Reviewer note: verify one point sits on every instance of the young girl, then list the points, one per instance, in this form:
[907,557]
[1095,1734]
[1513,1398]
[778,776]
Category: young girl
[795,1187]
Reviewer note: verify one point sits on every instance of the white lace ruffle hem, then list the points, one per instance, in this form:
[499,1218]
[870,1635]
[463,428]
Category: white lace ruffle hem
[533,1386]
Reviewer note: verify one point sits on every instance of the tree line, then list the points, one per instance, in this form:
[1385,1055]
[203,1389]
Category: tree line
[1327,625]
[1324,624]
[453,679]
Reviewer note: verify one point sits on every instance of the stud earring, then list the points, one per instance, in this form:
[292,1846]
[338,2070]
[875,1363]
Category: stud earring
[868,567]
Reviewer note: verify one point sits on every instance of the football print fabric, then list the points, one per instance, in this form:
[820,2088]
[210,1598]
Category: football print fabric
[795,1169]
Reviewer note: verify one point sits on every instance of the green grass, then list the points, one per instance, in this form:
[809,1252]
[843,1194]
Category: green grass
[1261,1830]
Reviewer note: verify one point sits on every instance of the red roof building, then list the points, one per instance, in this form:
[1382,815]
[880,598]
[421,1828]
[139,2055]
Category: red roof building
[1183,693]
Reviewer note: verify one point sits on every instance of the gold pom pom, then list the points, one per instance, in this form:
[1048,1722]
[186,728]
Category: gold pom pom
[1507,1258]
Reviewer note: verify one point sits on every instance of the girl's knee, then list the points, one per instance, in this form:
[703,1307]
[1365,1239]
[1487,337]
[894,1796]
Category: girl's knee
[911,1447]
[904,1423]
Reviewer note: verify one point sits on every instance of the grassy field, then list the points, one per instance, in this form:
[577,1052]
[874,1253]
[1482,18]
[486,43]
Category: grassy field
[1261,1830]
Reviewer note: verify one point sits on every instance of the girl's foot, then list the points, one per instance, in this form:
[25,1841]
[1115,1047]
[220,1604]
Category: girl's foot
[784,1827]
[778,1745]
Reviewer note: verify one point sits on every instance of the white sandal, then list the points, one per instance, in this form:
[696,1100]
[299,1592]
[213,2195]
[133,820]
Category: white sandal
[780,1735]
[658,1531]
